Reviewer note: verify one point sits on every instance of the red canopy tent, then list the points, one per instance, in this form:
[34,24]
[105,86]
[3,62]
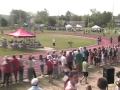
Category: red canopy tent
[22,33]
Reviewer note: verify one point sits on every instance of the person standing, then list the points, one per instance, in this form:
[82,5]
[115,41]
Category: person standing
[16,67]
[70,60]
[98,41]
[6,71]
[54,42]
[0,74]
[78,61]
[111,40]
[85,71]
[119,40]
[21,68]
[42,63]
[50,68]
[31,70]
[85,54]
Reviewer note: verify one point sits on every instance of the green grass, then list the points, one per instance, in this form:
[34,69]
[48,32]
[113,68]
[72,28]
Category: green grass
[5,51]
[62,40]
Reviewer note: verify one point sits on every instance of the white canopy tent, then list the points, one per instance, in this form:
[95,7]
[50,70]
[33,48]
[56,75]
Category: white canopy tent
[78,26]
[96,28]
[68,27]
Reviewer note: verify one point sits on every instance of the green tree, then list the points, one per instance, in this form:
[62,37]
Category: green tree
[3,22]
[18,17]
[42,17]
[68,16]
[51,21]
[100,19]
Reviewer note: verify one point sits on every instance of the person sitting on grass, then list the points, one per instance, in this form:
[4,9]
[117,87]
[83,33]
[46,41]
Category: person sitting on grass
[35,84]
[102,84]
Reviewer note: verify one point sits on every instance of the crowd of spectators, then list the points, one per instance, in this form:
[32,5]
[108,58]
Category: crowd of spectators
[63,63]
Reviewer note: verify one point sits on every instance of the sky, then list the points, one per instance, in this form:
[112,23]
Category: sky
[59,7]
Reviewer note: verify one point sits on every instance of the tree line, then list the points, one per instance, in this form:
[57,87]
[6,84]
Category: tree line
[20,17]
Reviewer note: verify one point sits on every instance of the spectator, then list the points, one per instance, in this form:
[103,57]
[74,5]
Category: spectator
[6,71]
[85,71]
[16,65]
[35,84]
[55,68]
[119,40]
[63,61]
[21,68]
[31,70]
[0,74]
[111,40]
[102,84]
[70,60]
[85,54]
[66,70]
[98,41]
[78,61]
[50,68]
[71,82]
[117,82]
[42,63]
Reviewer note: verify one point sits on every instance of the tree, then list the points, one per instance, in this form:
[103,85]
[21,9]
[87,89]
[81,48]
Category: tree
[3,22]
[18,17]
[100,19]
[68,15]
[51,21]
[42,17]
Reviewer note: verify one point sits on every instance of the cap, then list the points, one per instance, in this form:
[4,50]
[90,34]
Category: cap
[34,81]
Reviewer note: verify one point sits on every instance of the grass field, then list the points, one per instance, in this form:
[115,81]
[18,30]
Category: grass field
[46,40]
[4,51]
[62,40]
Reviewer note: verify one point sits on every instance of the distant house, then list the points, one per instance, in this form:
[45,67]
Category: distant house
[117,21]
[74,23]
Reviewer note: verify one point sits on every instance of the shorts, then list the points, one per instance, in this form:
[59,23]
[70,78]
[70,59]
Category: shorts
[50,72]
[85,74]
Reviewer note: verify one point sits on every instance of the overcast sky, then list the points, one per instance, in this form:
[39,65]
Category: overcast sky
[58,7]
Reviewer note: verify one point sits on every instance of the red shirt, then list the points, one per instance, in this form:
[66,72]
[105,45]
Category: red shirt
[49,65]
[7,68]
[15,64]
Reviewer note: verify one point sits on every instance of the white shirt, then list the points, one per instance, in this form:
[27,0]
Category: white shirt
[117,88]
[35,88]
[63,60]
[21,61]
[69,86]
[31,64]
[85,66]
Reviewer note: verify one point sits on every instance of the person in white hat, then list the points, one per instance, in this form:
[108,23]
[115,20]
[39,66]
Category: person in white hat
[35,84]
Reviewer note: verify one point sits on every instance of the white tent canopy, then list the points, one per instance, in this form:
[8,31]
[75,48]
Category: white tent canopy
[78,26]
[96,27]
[68,26]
